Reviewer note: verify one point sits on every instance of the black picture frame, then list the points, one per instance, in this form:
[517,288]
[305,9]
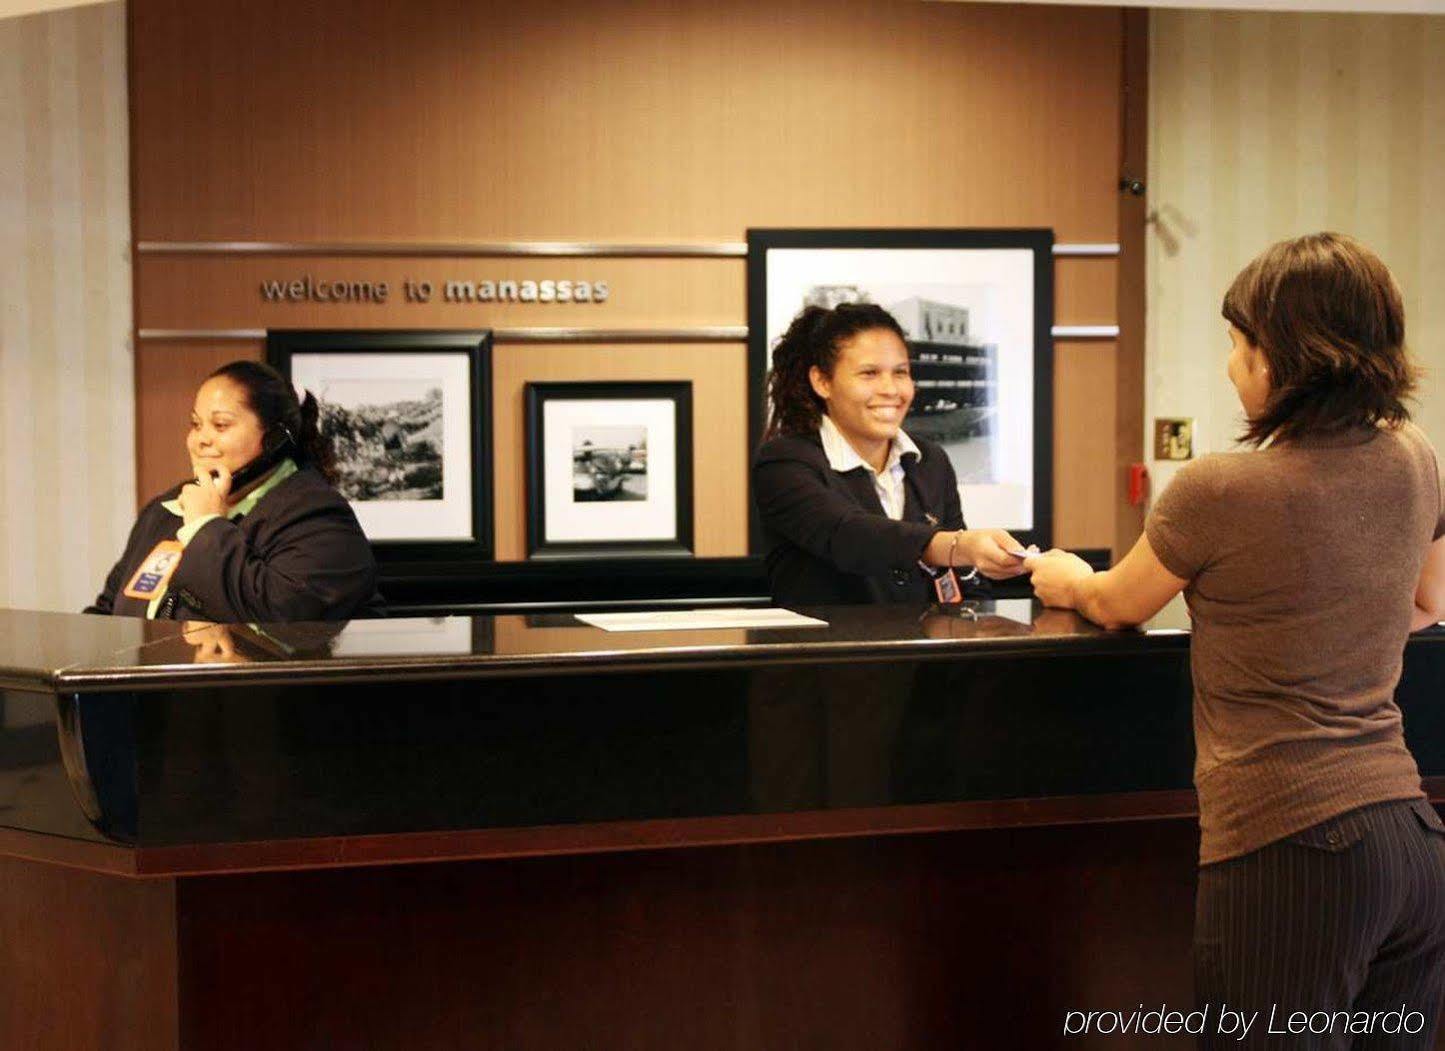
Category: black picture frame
[537,396]
[1038,240]
[282,347]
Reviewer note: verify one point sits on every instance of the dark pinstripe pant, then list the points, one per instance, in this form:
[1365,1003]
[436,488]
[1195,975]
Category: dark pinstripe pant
[1348,916]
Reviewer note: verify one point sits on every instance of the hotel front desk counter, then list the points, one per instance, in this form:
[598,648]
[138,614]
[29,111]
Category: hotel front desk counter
[906,829]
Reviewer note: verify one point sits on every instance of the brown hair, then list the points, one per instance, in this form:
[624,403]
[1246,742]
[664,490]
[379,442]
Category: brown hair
[813,339]
[1328,317]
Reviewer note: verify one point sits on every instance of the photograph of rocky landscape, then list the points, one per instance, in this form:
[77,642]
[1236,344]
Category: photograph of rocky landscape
[388,441]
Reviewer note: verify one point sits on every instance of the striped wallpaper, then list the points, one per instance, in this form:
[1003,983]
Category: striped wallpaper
[1266,126]
[67,415]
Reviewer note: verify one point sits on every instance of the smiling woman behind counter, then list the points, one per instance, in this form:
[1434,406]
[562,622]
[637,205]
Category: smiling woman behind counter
[853,508]
[259,534]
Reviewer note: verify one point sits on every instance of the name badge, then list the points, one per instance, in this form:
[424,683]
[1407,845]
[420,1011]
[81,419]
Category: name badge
[155,571]
[946,587]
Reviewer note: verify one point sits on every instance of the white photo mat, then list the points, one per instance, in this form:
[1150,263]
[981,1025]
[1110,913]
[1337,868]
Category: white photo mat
[572,521]
[449,518]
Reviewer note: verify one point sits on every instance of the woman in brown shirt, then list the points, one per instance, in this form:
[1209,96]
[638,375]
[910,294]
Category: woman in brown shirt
[1305,562]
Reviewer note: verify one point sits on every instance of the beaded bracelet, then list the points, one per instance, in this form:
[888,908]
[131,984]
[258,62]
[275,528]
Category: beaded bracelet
[972,573]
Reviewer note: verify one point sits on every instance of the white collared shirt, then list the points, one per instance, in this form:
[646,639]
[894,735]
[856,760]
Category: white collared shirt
[889,481]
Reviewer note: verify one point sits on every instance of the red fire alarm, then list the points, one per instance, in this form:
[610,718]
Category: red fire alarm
[1138,484]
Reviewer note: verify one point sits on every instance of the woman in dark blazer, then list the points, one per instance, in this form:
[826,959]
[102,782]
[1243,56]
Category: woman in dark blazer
[260,535]
[853,509]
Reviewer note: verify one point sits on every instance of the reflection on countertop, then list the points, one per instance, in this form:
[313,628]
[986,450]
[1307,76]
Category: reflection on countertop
[58,651]
[107,653]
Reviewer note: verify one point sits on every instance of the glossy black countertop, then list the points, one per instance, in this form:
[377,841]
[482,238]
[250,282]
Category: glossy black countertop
[74,653]
[320,744]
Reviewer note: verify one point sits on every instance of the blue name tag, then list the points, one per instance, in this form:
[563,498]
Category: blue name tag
[155,572]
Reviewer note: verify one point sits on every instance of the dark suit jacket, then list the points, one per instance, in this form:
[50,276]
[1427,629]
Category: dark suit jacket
[827,538]
[299,555]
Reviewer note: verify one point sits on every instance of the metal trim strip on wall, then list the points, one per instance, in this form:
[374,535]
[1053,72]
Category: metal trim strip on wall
[575,249]
[700,334]
[718,249]
[1086,250]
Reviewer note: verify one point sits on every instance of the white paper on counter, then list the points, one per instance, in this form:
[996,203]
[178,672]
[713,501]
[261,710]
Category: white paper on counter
[692,619]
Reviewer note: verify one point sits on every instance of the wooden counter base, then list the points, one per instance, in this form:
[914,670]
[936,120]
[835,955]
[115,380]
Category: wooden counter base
[205,859]
[969,827]
[966,939]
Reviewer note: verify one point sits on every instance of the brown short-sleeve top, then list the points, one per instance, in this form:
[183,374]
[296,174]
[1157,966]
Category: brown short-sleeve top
[1302,559]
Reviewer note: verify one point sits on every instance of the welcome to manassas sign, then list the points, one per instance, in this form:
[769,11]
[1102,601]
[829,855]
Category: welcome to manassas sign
[309,289]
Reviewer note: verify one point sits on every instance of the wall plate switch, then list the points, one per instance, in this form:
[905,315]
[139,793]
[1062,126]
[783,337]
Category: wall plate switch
[1173,438]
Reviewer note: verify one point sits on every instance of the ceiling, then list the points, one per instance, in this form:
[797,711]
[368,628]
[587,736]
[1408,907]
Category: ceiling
[10,8]
[1378,7]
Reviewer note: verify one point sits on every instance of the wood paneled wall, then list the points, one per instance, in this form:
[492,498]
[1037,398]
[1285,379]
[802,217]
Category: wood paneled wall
[447,120]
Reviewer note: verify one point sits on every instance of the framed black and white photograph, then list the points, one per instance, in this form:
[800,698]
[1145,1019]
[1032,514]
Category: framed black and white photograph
[976,307]
[408,414]
[609,469]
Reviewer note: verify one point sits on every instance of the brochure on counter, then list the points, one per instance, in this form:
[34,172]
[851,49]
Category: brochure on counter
[692,619]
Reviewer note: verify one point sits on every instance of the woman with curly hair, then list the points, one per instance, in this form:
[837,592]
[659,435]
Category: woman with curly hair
[853,508]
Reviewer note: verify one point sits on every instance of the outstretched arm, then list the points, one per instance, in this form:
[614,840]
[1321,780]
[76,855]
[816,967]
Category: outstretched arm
[795,502]
[1430,591]
[1128,594]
